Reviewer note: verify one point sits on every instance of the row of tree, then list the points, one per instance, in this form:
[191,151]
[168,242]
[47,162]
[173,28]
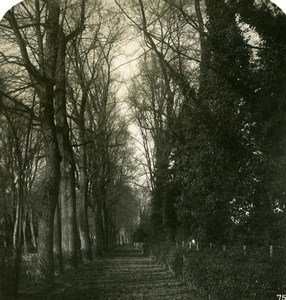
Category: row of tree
[66,162]
[210,104]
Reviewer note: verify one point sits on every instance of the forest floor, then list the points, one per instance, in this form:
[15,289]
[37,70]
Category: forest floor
[122,274]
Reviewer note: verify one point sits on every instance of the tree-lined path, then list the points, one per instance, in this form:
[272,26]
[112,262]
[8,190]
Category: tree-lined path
[152,121]
[121,274]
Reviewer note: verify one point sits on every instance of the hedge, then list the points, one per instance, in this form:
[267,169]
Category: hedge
[226,274]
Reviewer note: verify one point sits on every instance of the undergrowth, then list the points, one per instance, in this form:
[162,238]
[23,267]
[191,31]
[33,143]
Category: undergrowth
[226,274]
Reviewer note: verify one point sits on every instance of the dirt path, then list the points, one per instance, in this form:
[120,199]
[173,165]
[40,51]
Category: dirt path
[123,274]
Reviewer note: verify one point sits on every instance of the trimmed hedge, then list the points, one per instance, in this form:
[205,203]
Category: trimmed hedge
[227,274]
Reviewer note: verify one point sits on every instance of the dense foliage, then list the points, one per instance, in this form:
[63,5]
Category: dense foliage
[219,155]
[225,274]
[221,109]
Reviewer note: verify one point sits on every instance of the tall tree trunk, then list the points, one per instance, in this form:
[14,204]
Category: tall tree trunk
[49,198]
[50,189]
[43,78]
[18,225]
[67,182]
[83,202]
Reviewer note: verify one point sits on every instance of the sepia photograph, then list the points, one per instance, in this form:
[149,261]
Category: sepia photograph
[143,150]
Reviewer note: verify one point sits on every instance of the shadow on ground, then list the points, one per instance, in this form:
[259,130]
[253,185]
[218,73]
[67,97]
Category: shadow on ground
[120,275]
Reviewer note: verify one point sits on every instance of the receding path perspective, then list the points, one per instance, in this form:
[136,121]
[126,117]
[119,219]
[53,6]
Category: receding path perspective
[122,274]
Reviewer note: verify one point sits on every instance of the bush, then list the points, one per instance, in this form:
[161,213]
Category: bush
[30,274]
[175,260]
[161,251]
[226,274]
[7,274]
[168,254]
[230,274]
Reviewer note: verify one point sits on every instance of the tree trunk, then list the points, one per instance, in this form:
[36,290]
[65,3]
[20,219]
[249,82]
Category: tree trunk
[106,227]
[67,166]
[99,230]
[25,233]
[43,78]
[33,234]
[45,238]
[18,226]
[205,51]
[50,186]
[82,203]
[58,240]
